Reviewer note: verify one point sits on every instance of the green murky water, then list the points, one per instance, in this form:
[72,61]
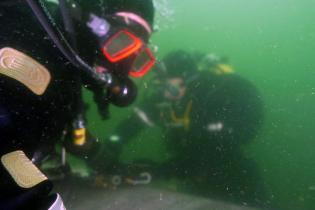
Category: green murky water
[271,43]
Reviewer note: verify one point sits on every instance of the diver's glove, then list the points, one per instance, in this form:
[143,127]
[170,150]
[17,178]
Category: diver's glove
[23,185]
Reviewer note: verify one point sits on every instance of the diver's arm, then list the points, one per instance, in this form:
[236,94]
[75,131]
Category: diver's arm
[104,154]
[132,125]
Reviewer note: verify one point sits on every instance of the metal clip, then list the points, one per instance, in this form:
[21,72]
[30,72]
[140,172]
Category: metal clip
[144,178]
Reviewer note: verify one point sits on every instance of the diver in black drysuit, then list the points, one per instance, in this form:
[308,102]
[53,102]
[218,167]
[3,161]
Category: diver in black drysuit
[31,124]
[204,130]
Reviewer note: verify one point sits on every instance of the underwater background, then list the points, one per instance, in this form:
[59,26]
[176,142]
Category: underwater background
[271,43]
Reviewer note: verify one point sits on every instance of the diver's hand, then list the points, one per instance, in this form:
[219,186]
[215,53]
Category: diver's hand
[23,185]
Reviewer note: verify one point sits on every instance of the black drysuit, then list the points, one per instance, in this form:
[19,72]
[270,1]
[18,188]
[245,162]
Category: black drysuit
[224,113]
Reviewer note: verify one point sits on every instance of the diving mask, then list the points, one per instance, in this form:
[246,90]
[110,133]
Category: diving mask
[119,44]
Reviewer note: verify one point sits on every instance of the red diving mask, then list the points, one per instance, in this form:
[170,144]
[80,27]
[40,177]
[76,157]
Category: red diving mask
[123,44]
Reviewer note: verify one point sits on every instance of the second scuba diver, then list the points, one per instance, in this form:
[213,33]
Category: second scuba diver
[48,50]
[207,114]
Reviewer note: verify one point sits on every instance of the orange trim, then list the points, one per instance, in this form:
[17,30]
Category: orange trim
[127,51]
[146,67]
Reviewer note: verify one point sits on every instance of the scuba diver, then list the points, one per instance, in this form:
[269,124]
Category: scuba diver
[208,113]
[48,51]
[226,113]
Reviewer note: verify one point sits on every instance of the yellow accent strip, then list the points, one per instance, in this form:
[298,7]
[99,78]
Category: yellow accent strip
[79,136]
[223,69]
[185,120]
[22,169]
[24,69]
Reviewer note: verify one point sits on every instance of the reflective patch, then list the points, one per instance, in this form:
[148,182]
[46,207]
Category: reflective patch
[22,169]
[24,69]
[58,204]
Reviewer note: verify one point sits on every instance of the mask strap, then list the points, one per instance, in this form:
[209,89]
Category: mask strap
[134,17]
